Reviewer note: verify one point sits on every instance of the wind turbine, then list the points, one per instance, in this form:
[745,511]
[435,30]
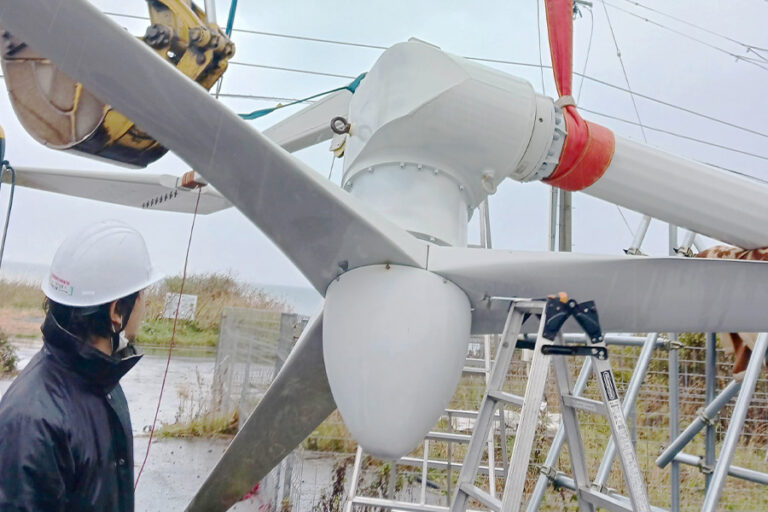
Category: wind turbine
[431,135]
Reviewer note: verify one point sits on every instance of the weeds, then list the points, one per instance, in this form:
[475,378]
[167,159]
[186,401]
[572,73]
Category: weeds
[331,436]
[214,293]
[8,357]
[332,501]
[196,415]
[21,294]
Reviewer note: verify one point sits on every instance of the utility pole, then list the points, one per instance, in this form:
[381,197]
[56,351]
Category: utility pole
[565,224]
[551,242]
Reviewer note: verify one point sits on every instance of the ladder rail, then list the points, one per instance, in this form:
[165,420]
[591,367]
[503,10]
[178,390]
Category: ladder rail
[488,406]
[557,442]
[526,429]
[572,429]
[491,443]
[632,476]
[630,399]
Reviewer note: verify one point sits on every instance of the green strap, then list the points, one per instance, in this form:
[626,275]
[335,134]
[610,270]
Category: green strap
[351,87]
[231,17]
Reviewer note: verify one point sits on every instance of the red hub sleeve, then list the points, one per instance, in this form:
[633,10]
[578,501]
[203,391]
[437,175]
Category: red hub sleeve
[588,147]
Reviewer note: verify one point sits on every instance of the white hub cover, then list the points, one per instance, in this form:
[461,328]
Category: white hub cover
[394,343]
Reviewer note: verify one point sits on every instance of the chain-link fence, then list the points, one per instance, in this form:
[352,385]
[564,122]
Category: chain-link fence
[650,425]
[253,345]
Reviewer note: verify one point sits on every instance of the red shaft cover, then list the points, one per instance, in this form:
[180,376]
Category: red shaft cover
[588,147]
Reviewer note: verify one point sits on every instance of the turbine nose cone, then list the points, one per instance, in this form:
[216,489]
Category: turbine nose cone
[394,343]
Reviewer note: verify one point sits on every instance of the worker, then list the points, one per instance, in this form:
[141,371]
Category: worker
[65,431]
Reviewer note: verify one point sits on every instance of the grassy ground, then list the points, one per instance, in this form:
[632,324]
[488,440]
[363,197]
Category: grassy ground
[22,304]
[205,425]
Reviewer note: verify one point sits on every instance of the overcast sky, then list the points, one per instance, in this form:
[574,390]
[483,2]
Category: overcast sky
[659,63]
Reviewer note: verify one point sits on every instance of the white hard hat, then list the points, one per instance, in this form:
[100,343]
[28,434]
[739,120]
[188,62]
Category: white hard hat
[104,262]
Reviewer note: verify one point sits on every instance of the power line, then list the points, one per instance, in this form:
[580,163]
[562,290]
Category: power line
[292,70]
[743,174]
[280,99]
[581,88]
[736,56]
[631,95]
[624,71]
[538,37]
[312,39]
[521,64]
[693,139]
[589,49]
[676,107]
[269,34]
[747,47]
[596,112]
[259,98]
[123,15]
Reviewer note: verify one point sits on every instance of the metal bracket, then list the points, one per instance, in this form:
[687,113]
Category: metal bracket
[707,420]
[603,489]
[575,350]
[685,251]
[549,472]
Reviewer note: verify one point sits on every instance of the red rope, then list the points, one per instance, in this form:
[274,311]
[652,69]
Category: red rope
[173,339]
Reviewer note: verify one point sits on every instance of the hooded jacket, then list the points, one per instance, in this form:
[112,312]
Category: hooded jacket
[65,431]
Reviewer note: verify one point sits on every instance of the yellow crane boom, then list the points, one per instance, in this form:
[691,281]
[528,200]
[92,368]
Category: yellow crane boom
[61,114]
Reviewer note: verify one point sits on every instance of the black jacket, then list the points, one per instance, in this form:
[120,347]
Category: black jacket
[65,430]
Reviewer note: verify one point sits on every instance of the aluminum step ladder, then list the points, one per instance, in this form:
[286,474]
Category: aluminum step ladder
[474,366]
[553,312]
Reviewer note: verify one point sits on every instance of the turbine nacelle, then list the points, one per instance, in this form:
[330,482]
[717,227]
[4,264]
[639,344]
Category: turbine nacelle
[432,135]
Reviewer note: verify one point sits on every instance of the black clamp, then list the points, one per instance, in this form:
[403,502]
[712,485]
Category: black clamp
[559,309]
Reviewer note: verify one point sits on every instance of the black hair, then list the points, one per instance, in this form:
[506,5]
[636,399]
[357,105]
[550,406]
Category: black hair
[91,321]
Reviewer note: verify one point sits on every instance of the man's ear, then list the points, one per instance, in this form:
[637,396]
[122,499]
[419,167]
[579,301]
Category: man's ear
[114,316]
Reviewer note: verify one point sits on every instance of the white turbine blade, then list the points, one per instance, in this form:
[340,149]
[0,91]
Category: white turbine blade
[311,124]
[321,228]
[714,202]
[298,400]
[633,294]
[149,191]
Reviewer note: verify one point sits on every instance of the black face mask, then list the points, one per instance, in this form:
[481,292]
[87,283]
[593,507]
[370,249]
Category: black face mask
[119,340]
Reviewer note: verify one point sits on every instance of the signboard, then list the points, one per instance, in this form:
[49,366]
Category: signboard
[186,308]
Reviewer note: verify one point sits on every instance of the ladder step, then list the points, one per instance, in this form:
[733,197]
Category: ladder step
[593,495]
[606,501]
[529,306]
[396,505]
[502,396]
[585,404]
[447,436]
[481,496]
[474,369]
[441,464]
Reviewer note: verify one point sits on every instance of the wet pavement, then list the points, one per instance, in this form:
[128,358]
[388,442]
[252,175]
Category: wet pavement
[176,468]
